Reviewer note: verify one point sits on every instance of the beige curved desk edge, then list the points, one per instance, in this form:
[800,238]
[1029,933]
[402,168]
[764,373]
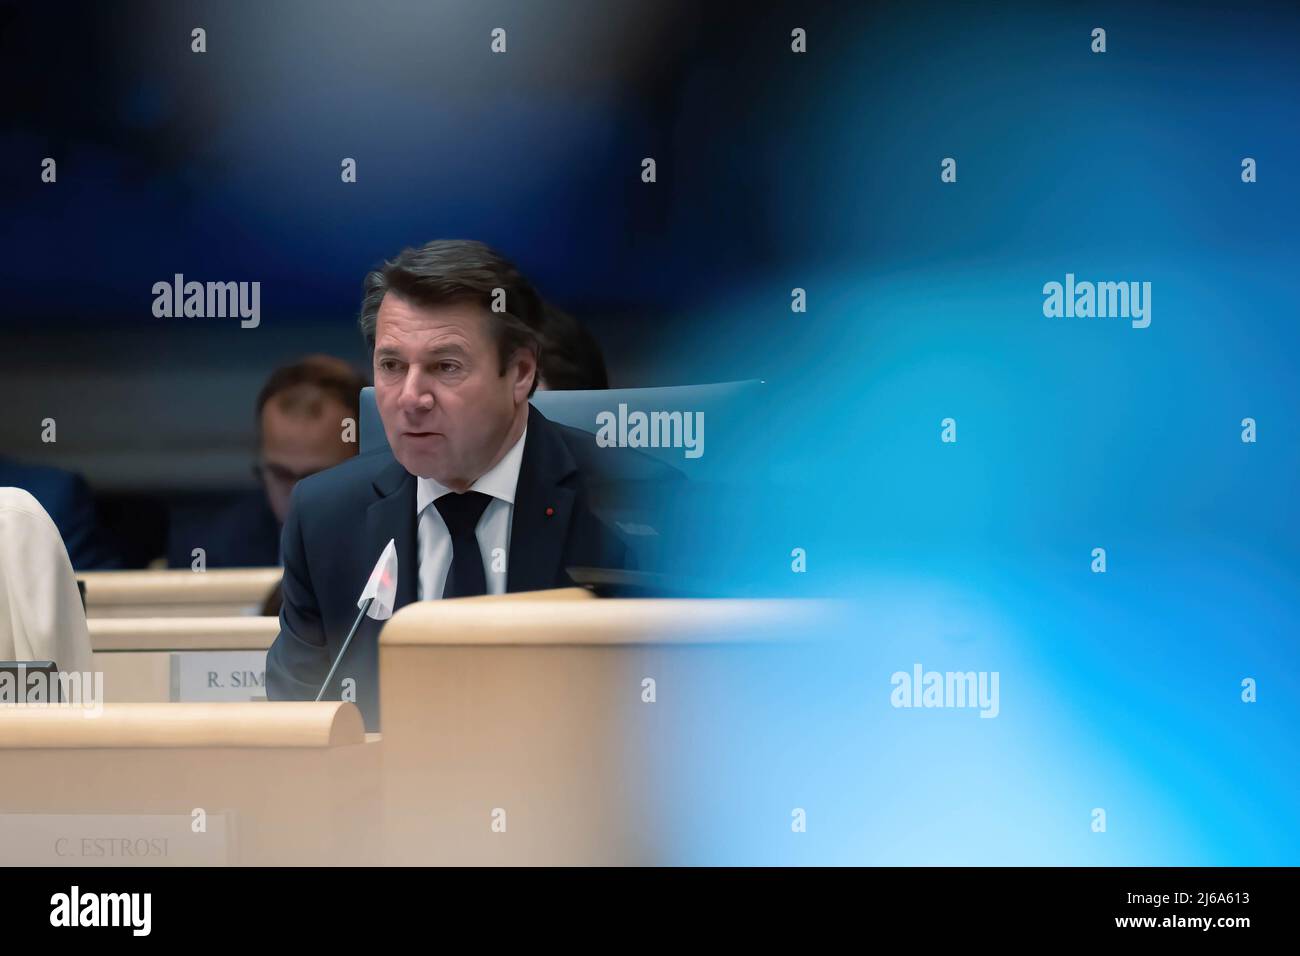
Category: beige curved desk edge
[189,725]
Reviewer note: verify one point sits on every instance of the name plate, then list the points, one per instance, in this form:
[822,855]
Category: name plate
[218,675]
[113,839]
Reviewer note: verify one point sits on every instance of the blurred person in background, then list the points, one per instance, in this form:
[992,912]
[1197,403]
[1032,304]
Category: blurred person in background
[41,615]
[570,356]
[300,431]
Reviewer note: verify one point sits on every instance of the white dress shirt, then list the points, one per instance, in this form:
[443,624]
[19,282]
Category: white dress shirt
[433,540]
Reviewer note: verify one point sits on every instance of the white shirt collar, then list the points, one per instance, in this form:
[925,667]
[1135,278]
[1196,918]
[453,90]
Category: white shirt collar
[499,481]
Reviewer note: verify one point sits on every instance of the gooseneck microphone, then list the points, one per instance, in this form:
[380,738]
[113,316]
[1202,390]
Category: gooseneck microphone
[376,601]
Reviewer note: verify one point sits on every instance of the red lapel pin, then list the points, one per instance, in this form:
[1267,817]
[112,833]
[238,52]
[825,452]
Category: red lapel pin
[549,512]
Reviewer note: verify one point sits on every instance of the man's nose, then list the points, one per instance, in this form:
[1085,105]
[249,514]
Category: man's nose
[416,396]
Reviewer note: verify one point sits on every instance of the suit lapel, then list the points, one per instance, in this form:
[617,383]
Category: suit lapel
[393,516]
[537,538]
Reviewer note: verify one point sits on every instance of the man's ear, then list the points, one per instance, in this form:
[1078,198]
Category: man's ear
[524,365]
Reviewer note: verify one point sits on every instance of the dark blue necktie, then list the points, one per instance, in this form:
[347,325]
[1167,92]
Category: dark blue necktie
[461,513]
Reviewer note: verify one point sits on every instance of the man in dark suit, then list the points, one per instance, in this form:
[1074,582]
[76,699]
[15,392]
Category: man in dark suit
[481,493]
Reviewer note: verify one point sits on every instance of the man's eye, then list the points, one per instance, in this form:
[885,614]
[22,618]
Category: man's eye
[388,365]
[448,367]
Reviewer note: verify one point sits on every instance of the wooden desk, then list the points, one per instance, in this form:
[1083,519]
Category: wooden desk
[277,784]
[535,714]
[140,662]
[223,592]
[141,657]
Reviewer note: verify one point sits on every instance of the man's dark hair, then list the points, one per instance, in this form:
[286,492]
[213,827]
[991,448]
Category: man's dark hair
[571,357]
[306,385]
[460,270]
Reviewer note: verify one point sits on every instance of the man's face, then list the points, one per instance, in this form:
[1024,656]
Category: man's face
[295,445]
[448,411]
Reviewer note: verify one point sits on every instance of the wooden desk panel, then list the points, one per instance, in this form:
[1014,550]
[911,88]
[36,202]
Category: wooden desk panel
[534,715]
[135,654]
[280,784]
[220,592]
